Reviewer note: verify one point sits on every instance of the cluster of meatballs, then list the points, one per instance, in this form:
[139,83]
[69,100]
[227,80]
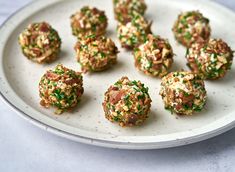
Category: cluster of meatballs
[128,102]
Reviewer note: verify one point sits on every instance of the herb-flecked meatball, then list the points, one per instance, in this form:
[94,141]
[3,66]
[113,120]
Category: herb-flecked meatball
[133,33]
[183,92]
[40,42]
[154,57]
[210,59]
[88,21]
[96,53]
[191,27]
[123,9]
[127,102]
[60,88]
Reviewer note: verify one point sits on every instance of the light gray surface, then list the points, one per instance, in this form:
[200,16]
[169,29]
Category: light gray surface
[24,147]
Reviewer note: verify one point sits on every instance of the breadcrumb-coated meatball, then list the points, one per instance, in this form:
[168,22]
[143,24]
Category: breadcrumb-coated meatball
[96,53]
[154,57]
[183,92]
[133,33]
[191,27]
[127,102]
[124,9]
[40,42]
[61,88]
[88,21]
[210,59]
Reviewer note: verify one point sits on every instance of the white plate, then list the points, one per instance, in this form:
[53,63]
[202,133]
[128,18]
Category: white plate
[19,79]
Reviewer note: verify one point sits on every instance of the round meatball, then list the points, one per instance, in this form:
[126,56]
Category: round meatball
[183,92]
[123,9]
[61,88]
[191,27]
[127,102]
[134,32]
[96,53]
[154,57]
[88,21]
[210,59]
[40,42]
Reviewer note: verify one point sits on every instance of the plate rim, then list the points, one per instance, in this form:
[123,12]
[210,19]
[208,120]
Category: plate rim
[119,144]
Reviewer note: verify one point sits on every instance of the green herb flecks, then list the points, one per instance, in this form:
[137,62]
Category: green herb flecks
[58,94]
[187,36]
[91,36]
[59,71]
[102,54]
[102,18]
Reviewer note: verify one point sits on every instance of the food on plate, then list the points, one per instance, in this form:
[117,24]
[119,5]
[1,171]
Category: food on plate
[88,21]
[183,92]
[40,42]
[154,57]
[96,53]
[124,9]
[134,32]
[61,88]
[191,27]
[127,102]
[210,59]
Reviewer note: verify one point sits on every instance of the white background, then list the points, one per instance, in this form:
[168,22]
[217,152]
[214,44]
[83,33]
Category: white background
[26,148]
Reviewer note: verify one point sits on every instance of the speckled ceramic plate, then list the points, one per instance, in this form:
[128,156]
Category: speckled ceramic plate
[19,79]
